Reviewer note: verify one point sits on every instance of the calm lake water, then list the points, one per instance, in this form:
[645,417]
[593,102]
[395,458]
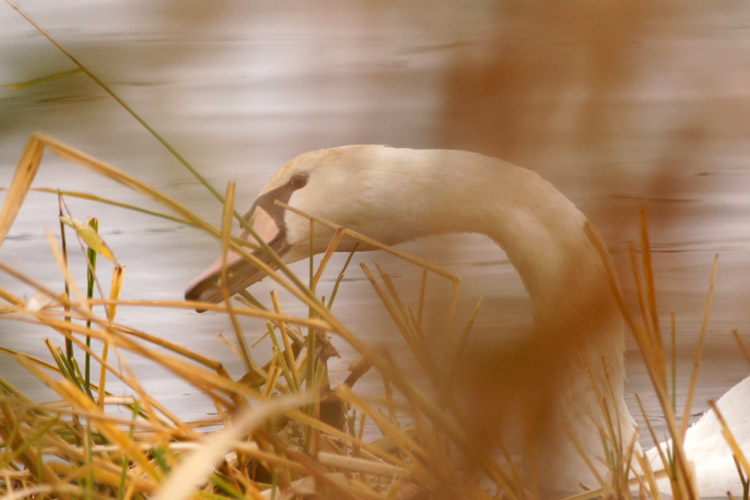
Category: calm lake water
[629,106]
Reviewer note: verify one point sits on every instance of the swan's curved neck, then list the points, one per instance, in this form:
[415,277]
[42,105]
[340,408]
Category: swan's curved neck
[542,233]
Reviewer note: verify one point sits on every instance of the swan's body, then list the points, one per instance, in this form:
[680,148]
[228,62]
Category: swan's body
[395,195]
[715,470]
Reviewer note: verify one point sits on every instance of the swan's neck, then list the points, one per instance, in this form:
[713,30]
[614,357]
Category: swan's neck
[542,233]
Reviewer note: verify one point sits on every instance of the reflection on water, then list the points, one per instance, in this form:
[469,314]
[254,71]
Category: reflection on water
[617,105]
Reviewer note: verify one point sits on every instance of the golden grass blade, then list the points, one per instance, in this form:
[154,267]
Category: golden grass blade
[654,438]
[332,246]
[196,468]
[390,403]
[118,277]
[648,273]
[319,324]
[9,297]
[341,275]
[19,186]
[626,469]
[288,350]
[654,345]
[32,359]
[361,465]
[226,231]
[281,361]
[405,443]
[114,293]
[166,421]
[106,201]
[648,477]
[731,441]
[698,351]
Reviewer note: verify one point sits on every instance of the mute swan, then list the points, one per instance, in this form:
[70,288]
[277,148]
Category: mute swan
[395,195]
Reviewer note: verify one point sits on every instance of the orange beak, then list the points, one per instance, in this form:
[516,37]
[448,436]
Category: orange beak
[206,287]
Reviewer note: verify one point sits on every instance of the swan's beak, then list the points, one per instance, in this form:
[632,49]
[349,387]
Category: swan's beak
[240,273]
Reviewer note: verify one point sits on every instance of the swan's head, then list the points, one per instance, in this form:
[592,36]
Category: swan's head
[355,186]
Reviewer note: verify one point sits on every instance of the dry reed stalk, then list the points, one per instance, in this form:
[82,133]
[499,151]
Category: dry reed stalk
[653,345]
[105,201]
[648,470]
[118,276]
[648,272]
[685,478]
[226,232]
[698,351]
[730,439]
[296,377]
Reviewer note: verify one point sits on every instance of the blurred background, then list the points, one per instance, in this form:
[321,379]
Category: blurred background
[619,105]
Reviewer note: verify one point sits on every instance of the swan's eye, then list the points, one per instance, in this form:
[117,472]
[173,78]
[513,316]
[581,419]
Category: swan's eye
[298,181]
